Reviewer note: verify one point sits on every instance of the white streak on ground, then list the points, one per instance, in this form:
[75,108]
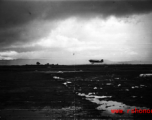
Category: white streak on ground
[107,106]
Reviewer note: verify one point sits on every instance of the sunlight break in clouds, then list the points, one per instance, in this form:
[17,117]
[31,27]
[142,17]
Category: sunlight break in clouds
[106,38]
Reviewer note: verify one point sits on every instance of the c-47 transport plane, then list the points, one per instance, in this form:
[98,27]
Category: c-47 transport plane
[96,61]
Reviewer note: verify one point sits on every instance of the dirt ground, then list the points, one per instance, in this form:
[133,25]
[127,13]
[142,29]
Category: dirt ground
[74,92]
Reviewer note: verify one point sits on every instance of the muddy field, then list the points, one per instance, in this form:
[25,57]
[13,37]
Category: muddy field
[75,92]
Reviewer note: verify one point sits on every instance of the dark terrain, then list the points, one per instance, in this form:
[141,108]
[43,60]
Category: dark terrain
[46,92]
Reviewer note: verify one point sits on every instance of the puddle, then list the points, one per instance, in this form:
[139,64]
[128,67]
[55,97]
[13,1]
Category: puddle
[109,84]
[60,72]
[56,77]
[95,88]
[146,75]
[127,89]
[134,96]
[107,106]
[92,95]
[141,86]
[133,87]
[67,82]
[114,105]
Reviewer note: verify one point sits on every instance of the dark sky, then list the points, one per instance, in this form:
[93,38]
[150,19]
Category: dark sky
[114,30]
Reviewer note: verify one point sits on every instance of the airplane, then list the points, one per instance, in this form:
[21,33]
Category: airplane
[96,61]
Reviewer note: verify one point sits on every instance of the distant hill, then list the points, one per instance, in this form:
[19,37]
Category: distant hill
[126,62]
[45,61]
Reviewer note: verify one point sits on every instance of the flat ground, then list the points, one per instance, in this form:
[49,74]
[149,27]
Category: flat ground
[74,92]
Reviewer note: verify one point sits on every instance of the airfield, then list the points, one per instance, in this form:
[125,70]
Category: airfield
[46,92]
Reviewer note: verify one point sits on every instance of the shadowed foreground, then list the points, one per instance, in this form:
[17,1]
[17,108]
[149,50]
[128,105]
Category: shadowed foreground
[68,92]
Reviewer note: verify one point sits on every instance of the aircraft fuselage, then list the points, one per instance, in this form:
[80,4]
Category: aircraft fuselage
[96,61]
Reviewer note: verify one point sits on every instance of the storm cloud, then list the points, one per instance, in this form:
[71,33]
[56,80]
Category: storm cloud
[15,13]
[23,23]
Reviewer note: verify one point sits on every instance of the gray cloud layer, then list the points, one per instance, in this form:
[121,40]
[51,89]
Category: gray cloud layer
[15,15]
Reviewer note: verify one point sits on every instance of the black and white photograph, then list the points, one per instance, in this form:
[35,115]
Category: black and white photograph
[75,60]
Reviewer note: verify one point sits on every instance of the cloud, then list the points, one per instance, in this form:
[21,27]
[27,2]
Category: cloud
[98,37]
[15,13]
[17,16]
[36,29]
[25,35]
[20,18]
[8,55]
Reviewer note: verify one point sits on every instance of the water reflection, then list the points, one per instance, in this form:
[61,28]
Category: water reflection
[107,105]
